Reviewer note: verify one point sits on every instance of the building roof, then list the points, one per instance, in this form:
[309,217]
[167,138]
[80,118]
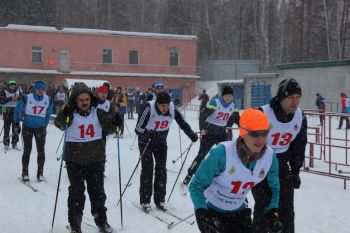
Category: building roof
[312,64]
[96,73]
[97,32]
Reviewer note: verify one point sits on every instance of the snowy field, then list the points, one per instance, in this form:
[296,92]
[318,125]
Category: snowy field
[321,204]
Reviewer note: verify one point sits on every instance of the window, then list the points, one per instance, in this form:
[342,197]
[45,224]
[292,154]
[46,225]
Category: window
[174,57]
[107,56]
[133,57]
[37,54]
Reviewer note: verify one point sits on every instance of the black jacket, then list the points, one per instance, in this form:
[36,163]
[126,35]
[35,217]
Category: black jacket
[295,155]
[160,136]
[86,153]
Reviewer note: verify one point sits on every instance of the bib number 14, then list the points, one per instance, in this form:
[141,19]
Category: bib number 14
[89,130]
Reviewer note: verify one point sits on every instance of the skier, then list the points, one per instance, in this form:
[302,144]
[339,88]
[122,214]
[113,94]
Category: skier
[9,98]
[214,119]
[60,98]
[223,180]
[85,154]
[288,138]
[152,128]
[37,108]
[103,102]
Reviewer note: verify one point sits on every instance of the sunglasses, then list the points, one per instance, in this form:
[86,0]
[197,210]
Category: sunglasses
[257,133]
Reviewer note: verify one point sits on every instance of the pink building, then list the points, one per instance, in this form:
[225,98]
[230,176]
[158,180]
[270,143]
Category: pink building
[127,59]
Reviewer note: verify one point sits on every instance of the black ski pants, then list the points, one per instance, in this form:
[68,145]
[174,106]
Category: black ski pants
[217,222]
[206,143]
[40,136]
[94,178]
[342,118]
[262,196]
[158,151]
[8,121]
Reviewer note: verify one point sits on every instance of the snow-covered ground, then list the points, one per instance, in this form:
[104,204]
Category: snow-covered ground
[321,204]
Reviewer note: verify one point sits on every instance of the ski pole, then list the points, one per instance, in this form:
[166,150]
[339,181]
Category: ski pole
[182,165]
[59,176]
[127,128]
[132,146]
[2,129]
[343,172]
[133,172]
[170,226]
[180,156]
[59,146]
[8,137]
[120,185]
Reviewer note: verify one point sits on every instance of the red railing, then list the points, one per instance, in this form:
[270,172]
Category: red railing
[328,146]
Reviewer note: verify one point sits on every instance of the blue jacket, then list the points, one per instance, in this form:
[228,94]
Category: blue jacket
[32,121]
[214,165]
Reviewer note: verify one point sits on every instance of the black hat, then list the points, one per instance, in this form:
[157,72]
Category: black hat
[106,84]
[288,87]
[77,89]
[163,98]
[227,90]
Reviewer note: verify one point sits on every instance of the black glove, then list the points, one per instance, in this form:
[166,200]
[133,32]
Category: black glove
[68,110]
[273,223]
[16,128]
[151,133]
[202,215]
[296,181]
[194,137]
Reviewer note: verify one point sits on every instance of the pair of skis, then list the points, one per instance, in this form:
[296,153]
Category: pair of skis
[159,217]
[28,184]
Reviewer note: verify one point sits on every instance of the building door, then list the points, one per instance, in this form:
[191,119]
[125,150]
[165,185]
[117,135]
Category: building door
[260,93]
[238,96]
[64,61]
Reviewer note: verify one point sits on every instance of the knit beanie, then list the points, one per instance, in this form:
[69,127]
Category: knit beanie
[288,87]
[39,85]
[227,90]
[253,120]
[102,89]
[163,98]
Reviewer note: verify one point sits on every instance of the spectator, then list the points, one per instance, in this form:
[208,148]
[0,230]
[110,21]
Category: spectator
[60,98]
[321,106]
[204,98]
[110,91]
[119,103]
[131,104]
[138,99]
[345,108]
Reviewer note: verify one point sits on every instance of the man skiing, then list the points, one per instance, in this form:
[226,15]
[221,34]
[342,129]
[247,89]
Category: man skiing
[288,138]
[214,119]
[84,154]
[152,128]
[223,180]
[36,109]
[9,98]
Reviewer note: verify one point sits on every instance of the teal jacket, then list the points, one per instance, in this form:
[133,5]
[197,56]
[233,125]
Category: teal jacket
[214,165]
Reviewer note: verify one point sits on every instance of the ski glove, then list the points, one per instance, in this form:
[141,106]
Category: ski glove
[296,181]
[193,136]
[151,133]
[68,110]
[273,223]
[202,215]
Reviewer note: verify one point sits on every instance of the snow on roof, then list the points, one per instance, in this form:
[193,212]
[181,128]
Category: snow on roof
[95,73]
[98,32]
[31,28]
[230,81]
[90,83]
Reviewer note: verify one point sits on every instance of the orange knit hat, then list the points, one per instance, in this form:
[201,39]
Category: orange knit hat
[253,120]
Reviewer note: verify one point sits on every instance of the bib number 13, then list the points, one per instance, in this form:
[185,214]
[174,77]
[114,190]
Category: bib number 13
[281,140]
[89,130]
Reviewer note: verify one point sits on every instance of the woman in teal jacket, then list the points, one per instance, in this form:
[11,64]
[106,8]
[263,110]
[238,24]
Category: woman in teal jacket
[231,170]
